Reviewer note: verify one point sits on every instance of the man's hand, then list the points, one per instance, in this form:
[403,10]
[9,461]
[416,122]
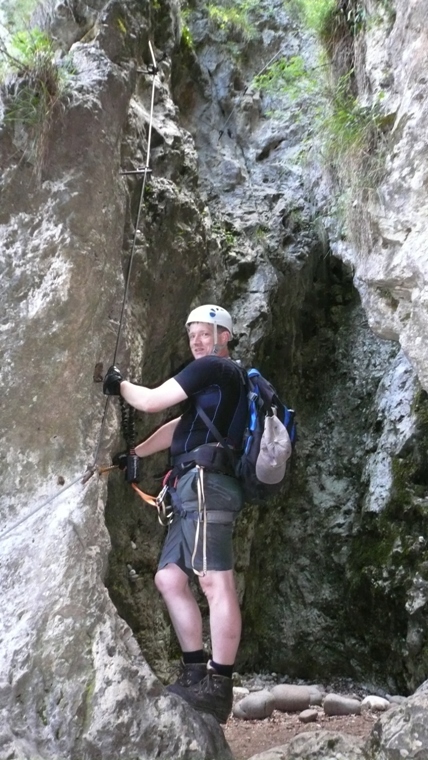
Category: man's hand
[120,460]
[112,381]
[129,464]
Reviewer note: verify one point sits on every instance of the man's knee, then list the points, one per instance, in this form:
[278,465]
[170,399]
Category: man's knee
[217,583]
[170,579]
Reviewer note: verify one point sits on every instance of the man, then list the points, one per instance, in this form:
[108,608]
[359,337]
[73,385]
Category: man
[206,499]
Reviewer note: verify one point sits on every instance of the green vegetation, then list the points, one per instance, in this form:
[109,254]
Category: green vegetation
[315,13]
[36,85]
[289,76]
[233,16]
[352,130]
[186,38]
[346,130]
[351,137]
[17,13]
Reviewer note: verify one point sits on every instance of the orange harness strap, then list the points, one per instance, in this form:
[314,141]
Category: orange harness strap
[145,496]
[164,512]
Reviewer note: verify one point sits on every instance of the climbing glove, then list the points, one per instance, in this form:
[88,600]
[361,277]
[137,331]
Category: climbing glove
[129,463]
[120,460]
[112,381]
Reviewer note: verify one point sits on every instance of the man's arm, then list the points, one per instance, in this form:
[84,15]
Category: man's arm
[160,440]
[152,399]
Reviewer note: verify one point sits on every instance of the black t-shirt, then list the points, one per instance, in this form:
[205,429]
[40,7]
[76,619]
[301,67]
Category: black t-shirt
[216,383]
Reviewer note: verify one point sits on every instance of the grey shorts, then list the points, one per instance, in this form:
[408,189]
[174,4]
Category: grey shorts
[222,493]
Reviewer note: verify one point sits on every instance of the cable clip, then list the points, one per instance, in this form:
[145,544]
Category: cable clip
[139,170]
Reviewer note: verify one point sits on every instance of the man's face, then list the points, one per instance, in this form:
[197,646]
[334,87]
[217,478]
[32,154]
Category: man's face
[201,339]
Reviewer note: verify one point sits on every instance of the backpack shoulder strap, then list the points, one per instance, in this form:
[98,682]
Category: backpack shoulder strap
[217,435]
[267,393]
[210,425]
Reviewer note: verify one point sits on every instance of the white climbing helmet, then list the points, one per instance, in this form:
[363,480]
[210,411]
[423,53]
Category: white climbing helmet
[212,315]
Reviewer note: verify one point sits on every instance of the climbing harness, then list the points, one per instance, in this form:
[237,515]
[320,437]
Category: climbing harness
[163,513]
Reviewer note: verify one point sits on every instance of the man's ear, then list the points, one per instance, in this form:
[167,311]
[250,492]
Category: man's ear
[225,337]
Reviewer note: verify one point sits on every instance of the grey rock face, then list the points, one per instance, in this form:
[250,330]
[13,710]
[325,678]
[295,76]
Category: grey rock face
[317,745]
[402,731]
[390,264]
[74,683]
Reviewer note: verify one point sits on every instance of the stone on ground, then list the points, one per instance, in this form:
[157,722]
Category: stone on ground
[256,706]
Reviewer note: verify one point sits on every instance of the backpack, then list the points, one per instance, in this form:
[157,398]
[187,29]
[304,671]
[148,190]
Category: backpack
[268,441]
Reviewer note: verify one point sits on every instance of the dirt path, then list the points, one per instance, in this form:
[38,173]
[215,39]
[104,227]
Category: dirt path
[249,737]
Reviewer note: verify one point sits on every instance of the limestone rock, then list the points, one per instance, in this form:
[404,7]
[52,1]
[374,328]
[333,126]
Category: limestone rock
[325,745]
[308,716]
[291,698]
[316,745]
[316,696]
[401,732]
[74,682]
[396,699]
[377,704]
[337,704]
[256,706]
[390,262]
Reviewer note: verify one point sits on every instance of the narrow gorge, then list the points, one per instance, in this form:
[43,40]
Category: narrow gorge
[286,180]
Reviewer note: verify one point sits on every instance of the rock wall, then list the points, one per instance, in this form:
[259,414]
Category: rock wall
[74,683]
[360,405]
[332,577]
[390,261]
[383,244]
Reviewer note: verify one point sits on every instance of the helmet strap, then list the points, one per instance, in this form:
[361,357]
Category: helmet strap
[216,347]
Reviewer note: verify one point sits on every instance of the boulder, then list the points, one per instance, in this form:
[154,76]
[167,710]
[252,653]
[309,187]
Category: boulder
[378,704]
[291,698]
[256,706]
[336,704]
[316,745]
[402,731]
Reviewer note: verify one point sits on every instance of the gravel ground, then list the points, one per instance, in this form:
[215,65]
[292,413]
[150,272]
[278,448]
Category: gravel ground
[249,737]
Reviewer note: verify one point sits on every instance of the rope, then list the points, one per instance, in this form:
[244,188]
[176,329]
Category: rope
[92,469]
[202,517]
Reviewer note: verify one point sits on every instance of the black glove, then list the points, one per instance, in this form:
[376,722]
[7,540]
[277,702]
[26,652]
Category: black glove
[129,464]
[112,381]
[120,460]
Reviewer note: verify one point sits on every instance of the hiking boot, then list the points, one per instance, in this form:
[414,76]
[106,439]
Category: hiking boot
[190,674]
[214,695]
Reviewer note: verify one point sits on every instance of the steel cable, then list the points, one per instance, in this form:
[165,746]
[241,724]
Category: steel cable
[92,469]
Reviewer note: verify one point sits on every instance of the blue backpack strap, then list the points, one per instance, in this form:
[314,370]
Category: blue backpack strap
[269,397]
